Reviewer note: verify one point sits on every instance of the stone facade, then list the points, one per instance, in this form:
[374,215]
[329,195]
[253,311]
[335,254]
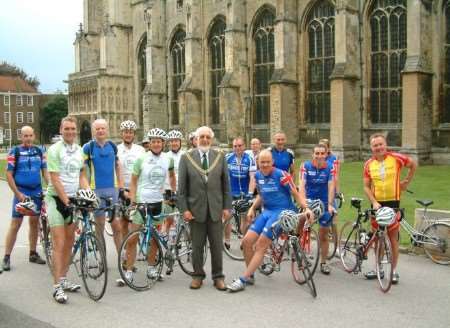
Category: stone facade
[127,68]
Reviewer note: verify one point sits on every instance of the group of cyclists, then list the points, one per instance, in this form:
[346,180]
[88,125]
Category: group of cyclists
[134,174]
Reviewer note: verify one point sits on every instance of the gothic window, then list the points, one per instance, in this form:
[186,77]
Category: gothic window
[320,61]
[217,67]
[177,73]
[264,39]
[387,56]
[445,112]
[142,75]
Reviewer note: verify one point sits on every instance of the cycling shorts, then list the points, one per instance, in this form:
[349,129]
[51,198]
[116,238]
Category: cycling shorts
[263,223]
[36,199]
[57,212]
[326,220]
[156,209]
[108,193]
[392,204]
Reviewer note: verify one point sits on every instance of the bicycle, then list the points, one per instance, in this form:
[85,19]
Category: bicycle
[355,243]
[144,248]
[433,235]
[44,233]
[300,265]
[233,247]
[92,255]
[333,232]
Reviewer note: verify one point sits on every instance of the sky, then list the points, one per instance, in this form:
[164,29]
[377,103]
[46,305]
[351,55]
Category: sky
[38,36]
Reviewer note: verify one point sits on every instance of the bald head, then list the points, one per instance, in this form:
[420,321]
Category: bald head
[265,161]
[100,130]
[27,135]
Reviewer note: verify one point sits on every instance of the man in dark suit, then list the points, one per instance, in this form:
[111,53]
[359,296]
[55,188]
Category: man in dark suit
[204,199]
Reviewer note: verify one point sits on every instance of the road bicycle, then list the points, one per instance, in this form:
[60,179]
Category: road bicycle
[433,235]
[235,226]
[88,253]
[355,242]
[112,211]
[142,253]
[333,232]
[44,233]
[287,246]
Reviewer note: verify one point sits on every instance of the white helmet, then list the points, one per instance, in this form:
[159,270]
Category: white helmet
[174,134]
[27,207]
[192,135]
[288,220]
[87,195]
[317,207]
[157,133]
[128,125]
[385,216]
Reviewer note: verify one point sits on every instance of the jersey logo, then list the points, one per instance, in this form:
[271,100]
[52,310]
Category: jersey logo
[287,179]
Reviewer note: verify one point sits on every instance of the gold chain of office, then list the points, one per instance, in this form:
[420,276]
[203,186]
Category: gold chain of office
[201,170]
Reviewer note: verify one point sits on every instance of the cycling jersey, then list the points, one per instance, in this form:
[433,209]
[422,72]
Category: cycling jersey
[28,167]
[275,189]
[239,170]
[176,161]
[103,164]
[282,159]
[333,161]
[67,160]
[127,158]
[316,180]
[385,175]
[152,172]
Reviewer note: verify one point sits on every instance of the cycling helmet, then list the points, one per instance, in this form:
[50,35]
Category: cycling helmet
[128,125]
[288,220]
[174,134]
[385,216]
[157,133]
[87,195]
[27,207]
[241,205]
[192,135]
[316,206]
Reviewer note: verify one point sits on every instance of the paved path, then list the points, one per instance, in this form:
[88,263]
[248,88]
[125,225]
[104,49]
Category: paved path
[422,299]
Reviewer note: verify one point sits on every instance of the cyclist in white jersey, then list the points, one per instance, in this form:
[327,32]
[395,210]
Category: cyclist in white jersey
[65,163]
[147,186]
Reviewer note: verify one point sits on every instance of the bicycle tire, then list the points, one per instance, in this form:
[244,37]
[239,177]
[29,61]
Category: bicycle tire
[108,228]
[300,270]
[235,251]
[313,253]
[348,242]
[267,267]
[140,279]
[439,234]
[46,242]
[93,257]
[183,251]
[383,261]
[332,241]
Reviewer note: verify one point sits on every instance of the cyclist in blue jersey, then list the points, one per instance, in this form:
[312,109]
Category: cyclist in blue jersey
[275,191]
[333,160]
[241,173]
[317,182]
[26,162]
[283,158]
[102,162]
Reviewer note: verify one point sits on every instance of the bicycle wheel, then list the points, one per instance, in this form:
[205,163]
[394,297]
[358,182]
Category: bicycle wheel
[46,242]
[311,249]
[140,261]
[436,243]
[383,260]
[108,228]
[332,241]
[348,242]
[94,270]
[300,269]
[183,251]
[268,265]
[234,249]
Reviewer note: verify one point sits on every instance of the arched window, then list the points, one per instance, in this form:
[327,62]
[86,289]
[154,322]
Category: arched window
[142,74]
[445,111]
[320,61]
[388,56]
[263,66]
[177,73]
[217,67]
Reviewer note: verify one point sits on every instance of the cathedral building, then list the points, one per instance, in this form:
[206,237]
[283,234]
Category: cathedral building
[341,69]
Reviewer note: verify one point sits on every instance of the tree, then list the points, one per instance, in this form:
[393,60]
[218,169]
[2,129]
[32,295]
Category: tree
[11,69]
[52,113]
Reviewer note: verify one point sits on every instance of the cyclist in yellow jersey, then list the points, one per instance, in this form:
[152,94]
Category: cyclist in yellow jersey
[383,187]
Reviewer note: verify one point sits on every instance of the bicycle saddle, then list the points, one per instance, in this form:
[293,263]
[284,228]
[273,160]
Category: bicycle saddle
[424,202]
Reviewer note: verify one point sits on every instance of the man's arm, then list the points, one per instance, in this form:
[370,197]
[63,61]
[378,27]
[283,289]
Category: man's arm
[59,188]
[300,195]
[368,191]
[182,184]
[133,187]
[84,183]
[173,180]
[119,174]
[331,193]
[411,166]
[12,185]
[225,185]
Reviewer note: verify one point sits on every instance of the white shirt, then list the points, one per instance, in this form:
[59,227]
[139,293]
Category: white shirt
[127,158]
[176,161]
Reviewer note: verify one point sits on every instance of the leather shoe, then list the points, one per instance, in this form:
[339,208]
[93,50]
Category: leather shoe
[196,284]
[220,284]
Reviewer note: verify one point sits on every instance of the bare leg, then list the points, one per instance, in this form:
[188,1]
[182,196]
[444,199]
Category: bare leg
[33,222]
[261,246]
[12,234]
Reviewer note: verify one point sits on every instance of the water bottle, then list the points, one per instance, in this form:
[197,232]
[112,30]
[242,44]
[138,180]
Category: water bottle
[172,235]
[363,237]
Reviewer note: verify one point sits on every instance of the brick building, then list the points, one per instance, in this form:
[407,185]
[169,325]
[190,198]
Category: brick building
[341,69]
[19,105]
